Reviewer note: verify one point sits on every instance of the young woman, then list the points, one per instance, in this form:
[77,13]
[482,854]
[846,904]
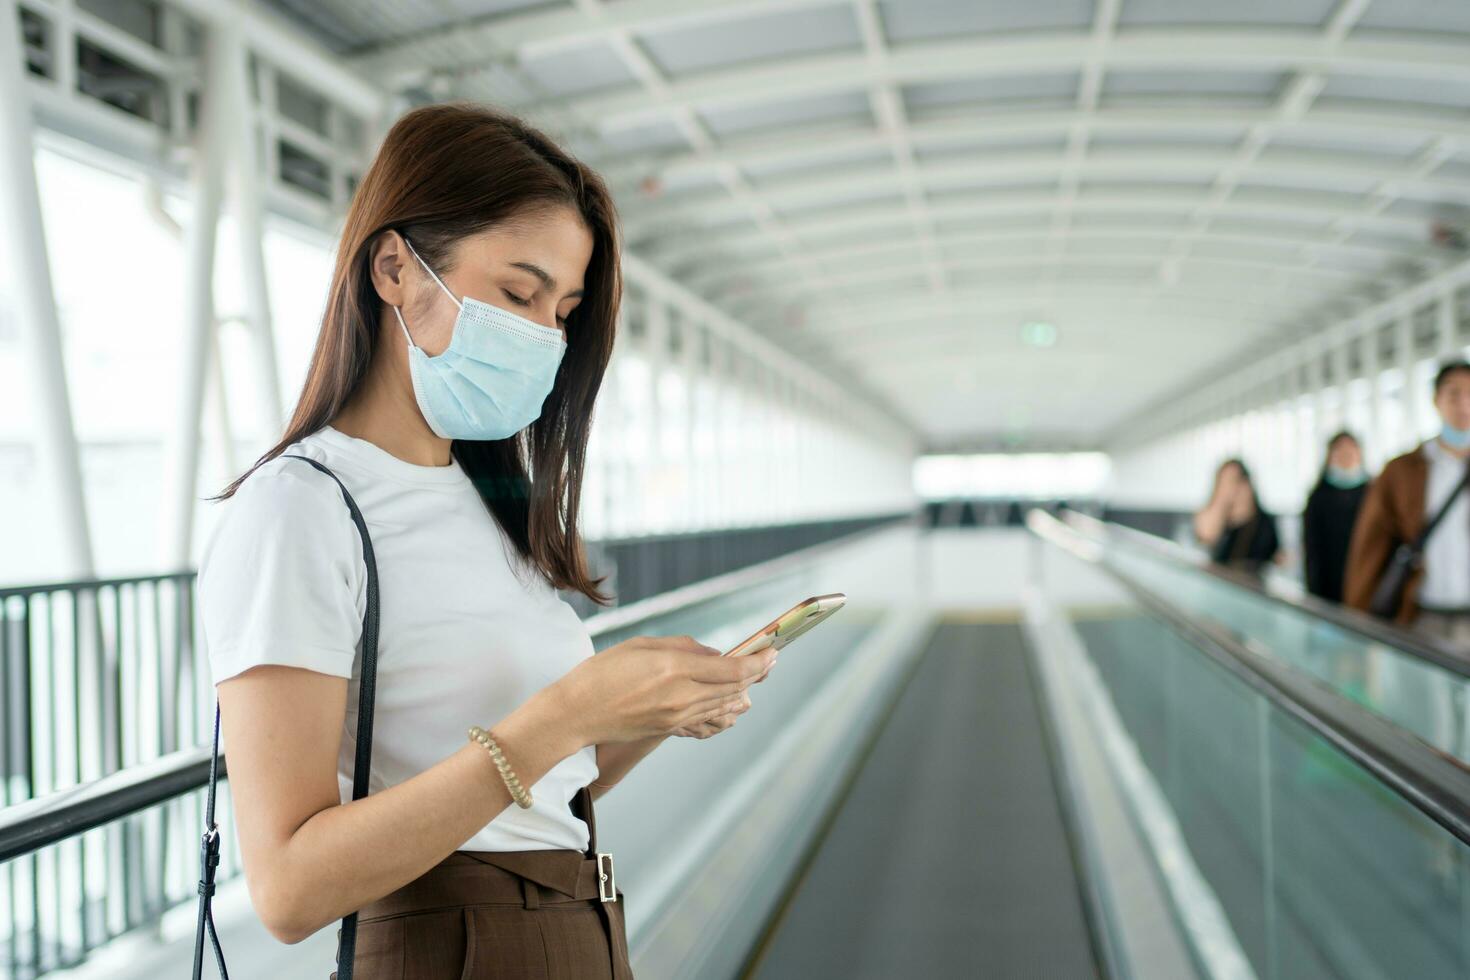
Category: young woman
[1332,510]
[1232,525]
[468,325]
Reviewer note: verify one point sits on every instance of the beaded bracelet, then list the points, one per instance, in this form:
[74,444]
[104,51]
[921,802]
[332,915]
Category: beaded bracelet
[512,783]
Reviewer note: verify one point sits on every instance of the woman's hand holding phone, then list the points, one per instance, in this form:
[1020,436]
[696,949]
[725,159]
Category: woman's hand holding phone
[657,685]
[716,725]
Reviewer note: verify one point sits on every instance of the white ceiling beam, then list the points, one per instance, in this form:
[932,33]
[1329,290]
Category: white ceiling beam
[287,47]
[682,246]
[892,120]
[1191,50]
[544,31]
[1313,248]
[938,329]
[1305,170]
[812,287]
[1079,134]
[979,127]
[1205,307]
[1296,98]
[900,347]
[1391,189]
[738,189]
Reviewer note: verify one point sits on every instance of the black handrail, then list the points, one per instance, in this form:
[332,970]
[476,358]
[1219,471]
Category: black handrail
[1371,627]
[34,824]
[88,584]
[29,826]
[1435,783]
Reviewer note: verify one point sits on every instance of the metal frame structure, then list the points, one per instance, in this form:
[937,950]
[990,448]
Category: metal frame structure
[1297,173]
[237,106]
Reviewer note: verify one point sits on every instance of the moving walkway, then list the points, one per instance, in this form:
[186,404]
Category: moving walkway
[1147,771]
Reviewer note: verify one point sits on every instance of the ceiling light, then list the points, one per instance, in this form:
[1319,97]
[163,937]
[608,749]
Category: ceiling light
[1039,333]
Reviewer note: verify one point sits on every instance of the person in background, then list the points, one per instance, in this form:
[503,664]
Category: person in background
[1332,510]
[1413,488]
[1235,529]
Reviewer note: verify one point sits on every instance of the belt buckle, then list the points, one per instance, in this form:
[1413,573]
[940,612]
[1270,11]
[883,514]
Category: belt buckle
[607,888]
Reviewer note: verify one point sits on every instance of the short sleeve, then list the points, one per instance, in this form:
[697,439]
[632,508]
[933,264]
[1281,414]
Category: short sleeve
[282,579]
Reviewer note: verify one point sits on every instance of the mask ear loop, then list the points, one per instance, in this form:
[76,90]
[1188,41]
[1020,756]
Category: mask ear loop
[405,327]
[431,273]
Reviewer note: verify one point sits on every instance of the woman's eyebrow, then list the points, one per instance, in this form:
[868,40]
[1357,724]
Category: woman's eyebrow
[543,275]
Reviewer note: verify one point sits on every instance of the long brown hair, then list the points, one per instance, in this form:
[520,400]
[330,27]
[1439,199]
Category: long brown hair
[445,172]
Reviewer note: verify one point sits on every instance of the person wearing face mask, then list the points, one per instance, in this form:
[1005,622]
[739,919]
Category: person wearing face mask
[1332,510]
[1422,490]
[1237,531]
[468,326]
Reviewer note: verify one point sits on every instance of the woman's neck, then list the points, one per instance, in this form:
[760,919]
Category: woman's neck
[383,412]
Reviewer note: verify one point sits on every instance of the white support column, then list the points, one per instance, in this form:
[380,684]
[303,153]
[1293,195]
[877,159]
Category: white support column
[1444,321]
[1342,368]
[1375,443]
[219,407]
[691,337]
[1283,422]
[181,461]
[1306,427]
[1404,341]
[35,304]
[1315,382]
[656,350]
[244,158]
[719,464]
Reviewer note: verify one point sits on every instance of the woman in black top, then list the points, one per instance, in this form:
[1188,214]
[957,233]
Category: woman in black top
[1332,508]
[1232,525]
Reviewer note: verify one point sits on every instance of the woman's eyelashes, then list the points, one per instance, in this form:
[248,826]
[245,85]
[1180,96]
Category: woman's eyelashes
[526,303]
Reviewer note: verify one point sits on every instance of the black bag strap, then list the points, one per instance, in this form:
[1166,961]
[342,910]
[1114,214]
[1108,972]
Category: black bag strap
[367,690]
[1434,521]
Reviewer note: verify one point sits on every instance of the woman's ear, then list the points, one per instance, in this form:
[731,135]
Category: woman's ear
[386,258]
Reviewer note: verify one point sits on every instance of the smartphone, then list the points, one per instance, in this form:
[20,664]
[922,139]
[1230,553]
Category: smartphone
[790,624]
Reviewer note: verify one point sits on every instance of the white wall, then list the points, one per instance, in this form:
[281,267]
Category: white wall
[1279,414]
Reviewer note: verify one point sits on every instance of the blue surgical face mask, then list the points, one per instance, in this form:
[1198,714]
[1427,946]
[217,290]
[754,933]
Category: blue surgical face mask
[1345,479]
[492,379]
[1455,438]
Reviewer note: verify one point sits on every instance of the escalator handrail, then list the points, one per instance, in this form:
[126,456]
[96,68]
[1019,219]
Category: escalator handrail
[1435,783]
[30,825]
[1373,628]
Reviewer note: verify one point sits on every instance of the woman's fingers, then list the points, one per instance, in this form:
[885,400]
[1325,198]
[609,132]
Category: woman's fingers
[727,670]
[707,712]
[685,644]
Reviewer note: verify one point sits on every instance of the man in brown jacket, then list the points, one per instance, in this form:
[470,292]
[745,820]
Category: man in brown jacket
[1411,489]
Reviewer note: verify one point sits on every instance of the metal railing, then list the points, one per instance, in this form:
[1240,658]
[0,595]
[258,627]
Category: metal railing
[104,846]
[101,682]
[1430,781]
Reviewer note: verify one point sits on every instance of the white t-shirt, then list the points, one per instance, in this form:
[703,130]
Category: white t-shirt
[1447,552]
[467,630]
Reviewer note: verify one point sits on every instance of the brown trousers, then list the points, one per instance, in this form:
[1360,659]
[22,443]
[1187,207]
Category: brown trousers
[530,915]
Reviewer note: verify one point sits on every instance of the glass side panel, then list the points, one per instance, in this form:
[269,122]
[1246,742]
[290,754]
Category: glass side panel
[1320,870]
[1423,698]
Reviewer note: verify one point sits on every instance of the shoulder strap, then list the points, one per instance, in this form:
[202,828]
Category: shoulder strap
[1434,522]
[367,691]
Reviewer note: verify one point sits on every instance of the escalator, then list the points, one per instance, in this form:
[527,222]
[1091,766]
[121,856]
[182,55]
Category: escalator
[949,855]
